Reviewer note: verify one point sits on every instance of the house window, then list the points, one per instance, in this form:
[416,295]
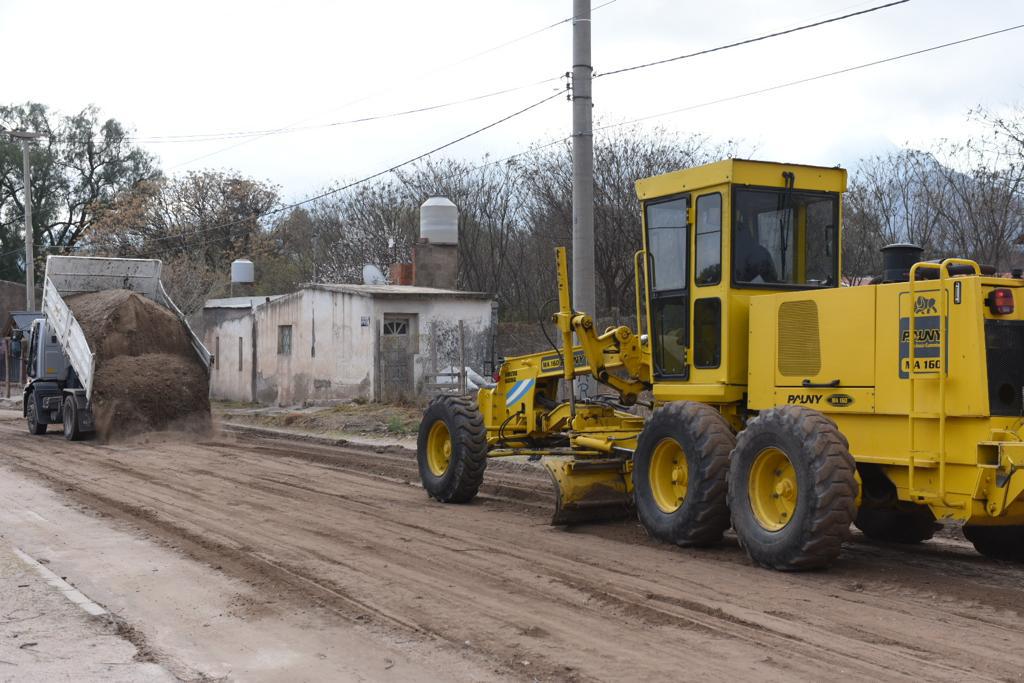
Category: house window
[284,340]
[240,354]
[216,353]
[396,327]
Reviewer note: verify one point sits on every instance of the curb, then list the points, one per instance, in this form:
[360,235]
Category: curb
[273,433]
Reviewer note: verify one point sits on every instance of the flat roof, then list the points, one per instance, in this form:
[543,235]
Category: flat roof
[742,172]
[408,291]
[240,301]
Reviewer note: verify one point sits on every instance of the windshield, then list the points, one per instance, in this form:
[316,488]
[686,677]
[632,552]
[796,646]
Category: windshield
[785,237]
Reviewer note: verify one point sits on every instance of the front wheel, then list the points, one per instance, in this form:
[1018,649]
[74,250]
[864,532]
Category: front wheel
[997,542]
[70,414]
[680,469]
[451,450]
[792,489]
[34,425]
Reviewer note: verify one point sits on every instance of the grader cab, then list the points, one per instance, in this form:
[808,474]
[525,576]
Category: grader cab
[758,392]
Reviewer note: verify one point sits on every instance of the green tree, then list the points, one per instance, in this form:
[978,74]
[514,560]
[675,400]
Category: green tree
[80,165]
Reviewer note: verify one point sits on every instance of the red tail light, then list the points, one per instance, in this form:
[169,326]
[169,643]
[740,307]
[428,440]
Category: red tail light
[1000,301]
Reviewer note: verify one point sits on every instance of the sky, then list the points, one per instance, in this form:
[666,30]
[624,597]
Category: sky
[219,66]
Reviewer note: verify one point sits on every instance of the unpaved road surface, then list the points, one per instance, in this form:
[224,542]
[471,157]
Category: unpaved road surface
[346,534]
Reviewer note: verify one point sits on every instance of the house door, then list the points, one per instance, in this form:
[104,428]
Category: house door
[397,348]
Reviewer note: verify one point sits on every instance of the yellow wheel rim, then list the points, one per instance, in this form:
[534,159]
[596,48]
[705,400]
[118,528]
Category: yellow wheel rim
[439,448]
[669,475]
[773,489]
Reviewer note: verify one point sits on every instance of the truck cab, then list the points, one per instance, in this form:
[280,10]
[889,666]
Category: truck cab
[53,394]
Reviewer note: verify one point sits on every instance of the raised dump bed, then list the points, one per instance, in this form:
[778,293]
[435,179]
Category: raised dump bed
[113,353]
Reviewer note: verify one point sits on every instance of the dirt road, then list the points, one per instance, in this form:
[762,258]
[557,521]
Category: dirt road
[348,534]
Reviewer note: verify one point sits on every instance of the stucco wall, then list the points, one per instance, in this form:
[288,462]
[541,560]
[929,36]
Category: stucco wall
[228,335]
[331,355]
[333,344]
[438,322]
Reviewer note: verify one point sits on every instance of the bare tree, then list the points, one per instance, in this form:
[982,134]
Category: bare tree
[620,159]
[197,224]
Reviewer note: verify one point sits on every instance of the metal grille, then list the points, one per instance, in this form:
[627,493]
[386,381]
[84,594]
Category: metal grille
[799,345]
[1004,346]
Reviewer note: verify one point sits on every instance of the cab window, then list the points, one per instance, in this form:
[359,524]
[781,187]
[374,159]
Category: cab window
[785,238]
[707,333]
[708,251]
[667,243]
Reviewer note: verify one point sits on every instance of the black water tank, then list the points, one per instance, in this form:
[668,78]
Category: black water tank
[897,260]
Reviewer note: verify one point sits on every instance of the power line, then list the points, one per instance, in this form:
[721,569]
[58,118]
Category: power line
[522,37]
[209,137]
[494,162]
[342,188]
[535,148]
[378,174]
[749,40]
[819,77]
[371,95]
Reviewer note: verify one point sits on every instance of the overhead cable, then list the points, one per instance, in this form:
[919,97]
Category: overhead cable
[748,41]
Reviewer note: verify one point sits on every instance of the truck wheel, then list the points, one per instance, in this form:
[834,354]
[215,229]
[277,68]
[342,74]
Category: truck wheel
[34,426]
[70,413]
[903,523]
[451,450]
[792,490]
[680,471]
[997,542]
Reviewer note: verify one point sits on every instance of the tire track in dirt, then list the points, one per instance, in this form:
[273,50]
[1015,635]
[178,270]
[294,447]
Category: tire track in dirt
[348,529]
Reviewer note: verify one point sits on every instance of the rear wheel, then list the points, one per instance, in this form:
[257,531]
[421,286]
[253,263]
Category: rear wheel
[680,469]
[904,522]
[451,450]
[997,542]
[792,489]
[34,425]
[70,413]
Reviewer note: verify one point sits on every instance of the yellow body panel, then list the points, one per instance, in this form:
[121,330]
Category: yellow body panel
[740,172]
[864,340]
[918,412]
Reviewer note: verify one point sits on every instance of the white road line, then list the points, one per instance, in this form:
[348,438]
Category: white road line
[69,591]
[36,516]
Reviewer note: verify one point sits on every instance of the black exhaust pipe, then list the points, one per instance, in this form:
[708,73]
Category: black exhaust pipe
[897,260]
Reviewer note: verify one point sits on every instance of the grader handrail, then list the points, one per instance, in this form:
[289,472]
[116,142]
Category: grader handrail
[642,253]
[940,376]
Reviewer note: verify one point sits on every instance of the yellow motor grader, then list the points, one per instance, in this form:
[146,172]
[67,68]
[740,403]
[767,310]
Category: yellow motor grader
[784,404]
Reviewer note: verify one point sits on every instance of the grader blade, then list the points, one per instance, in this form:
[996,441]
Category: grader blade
[588,490]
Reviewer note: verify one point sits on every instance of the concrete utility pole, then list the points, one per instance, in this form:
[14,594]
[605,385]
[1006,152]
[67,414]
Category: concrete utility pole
[30,265]
[583,290]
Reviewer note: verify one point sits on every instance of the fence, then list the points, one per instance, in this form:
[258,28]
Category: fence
[13,370]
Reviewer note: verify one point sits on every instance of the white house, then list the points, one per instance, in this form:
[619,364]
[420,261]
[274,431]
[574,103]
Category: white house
[330,342]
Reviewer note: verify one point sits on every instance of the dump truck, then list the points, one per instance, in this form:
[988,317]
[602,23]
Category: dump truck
[61,364]
[760,394]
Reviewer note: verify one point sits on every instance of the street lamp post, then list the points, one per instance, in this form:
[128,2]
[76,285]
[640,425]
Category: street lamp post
[30,266]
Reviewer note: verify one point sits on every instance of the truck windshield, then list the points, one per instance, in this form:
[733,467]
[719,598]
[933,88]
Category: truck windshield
[785,237]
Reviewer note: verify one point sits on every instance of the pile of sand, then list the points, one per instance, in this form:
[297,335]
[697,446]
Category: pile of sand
[147,375]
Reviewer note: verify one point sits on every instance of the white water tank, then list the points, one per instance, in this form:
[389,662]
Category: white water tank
[243,272]
[439,221]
